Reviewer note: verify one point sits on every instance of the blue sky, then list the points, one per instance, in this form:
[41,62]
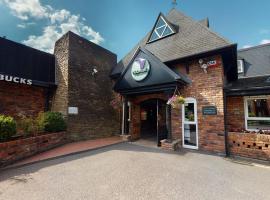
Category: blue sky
[119,24]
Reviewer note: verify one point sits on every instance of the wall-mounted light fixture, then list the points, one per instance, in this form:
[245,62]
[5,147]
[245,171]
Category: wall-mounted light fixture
[203,65]
[94,71]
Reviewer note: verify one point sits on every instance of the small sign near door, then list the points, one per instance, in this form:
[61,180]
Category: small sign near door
[73,110]
[209,110]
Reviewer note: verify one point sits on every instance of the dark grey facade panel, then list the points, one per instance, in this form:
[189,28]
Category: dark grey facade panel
[249,86]
[159,74]
[25,62]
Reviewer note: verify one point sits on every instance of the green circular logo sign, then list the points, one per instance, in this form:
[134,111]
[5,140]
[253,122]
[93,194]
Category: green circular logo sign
[140,69]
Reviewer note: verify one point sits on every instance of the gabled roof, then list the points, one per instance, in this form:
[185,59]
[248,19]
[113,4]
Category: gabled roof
[192,38]
[160,76]
[256,61]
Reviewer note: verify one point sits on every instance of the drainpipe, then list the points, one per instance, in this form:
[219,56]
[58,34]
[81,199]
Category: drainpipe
[225,124]
[123,116]
[169,122]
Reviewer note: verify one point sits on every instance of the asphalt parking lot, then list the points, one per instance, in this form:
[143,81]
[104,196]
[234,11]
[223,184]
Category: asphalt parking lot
[131,171]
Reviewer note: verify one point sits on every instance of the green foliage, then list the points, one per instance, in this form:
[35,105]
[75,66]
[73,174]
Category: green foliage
[176,101]
[28,126]
[7,127]
[180,100]
[51,122]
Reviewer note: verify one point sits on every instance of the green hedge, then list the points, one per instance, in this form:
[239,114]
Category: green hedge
[7,127]
[51,122]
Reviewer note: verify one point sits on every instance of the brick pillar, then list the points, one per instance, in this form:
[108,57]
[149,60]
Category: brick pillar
[169,121]
[135,123]
[176,115]
[60,99]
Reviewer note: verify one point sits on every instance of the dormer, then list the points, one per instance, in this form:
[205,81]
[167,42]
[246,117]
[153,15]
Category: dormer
[161,29]
[240,66]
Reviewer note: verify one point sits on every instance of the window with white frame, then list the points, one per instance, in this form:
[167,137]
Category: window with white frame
[257,113]
[162,29]
[240,66]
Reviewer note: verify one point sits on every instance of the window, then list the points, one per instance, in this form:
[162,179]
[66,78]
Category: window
[190,124]
[162,29]
[257,113]
[240,66]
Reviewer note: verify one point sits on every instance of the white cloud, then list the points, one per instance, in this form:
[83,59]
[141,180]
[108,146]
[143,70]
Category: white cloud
[45,41]
[59,22]
[24,9]
[59,15]
[247,46]
[53,32]
[25,25]
[265,41]
[21,25]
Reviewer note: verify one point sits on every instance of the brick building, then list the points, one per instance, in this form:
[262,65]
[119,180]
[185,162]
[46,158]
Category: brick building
[74,81]
[248,100]
[178,56]
[225,90]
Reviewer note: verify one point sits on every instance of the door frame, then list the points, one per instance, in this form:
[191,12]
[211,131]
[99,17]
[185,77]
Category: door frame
[161,102]
[194,101]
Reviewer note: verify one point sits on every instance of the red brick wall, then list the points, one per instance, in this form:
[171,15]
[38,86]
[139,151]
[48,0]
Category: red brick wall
[235,113]
[18,99]
[207,89]
[250,145]
[18,149]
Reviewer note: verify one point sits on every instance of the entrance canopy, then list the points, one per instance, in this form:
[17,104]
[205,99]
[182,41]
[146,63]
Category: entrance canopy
[146,73]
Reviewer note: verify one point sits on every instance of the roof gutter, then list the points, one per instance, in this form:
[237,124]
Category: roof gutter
[203,53]
[247,92]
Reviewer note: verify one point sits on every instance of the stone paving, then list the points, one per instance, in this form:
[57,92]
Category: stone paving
[70,148]
[131,171]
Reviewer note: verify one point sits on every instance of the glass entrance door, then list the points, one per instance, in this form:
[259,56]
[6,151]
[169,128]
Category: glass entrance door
[190,124]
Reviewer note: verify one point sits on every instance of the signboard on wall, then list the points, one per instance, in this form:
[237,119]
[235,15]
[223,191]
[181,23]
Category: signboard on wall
[140,69]
[212,63]
[73,110]
[15,79]
[209,110]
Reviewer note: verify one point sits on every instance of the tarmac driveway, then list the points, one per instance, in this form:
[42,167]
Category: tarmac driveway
[130,171]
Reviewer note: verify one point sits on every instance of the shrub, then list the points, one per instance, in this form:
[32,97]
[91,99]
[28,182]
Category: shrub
[7,127]
[28,126]
[51,122]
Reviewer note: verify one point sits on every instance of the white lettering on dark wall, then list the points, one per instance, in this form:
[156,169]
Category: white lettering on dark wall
[15,79]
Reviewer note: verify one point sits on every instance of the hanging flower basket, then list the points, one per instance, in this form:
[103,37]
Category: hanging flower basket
[176,100]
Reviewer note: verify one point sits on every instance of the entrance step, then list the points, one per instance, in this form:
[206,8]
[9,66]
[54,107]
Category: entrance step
[146,142]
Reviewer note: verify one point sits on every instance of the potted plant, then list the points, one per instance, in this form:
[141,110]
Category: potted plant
[176,100]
